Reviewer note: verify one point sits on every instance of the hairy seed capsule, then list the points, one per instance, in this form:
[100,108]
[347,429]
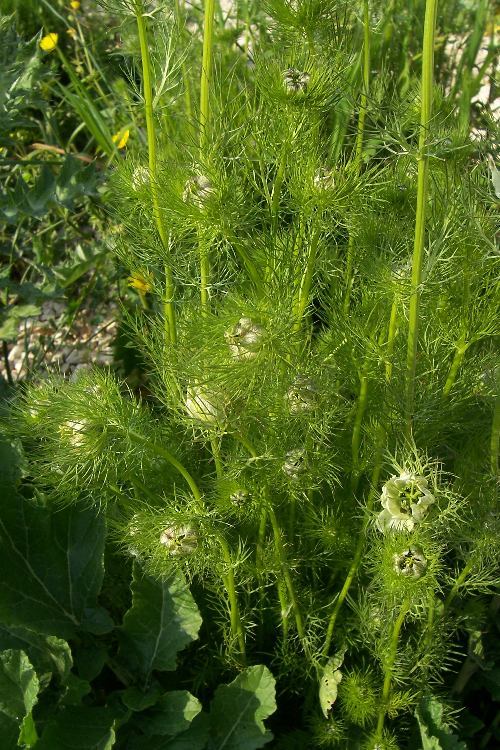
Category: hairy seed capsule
[202,406]
[302,395]
[244,339]
[410,563]
[197,190]
[294,463]
[296,80]
[179,540]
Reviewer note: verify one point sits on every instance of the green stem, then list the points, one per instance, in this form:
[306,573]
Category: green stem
[495,438]
[168,304]
[356,432]
[393,327]
[159,450]
[460,350]
[276,194]
[388,668]
[228,579]
[306,282]
[229,582]
[371,495]
[456,586]
[422,188]
[206,74]
[278,541]
[358,154]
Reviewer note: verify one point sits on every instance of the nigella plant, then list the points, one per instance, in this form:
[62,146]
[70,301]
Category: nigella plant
[318,449]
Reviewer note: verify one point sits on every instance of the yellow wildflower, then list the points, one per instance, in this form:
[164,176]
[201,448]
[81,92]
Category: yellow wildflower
[75,4]
[121,138]
[49,42]
[71,33]
[140,281]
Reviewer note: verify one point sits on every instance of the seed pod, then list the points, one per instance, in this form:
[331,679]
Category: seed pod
[410,563]
[244,339]
[405,500]
[302,395]
[179,540]
[197,190]
[202,406]
[294,463]
[296,80]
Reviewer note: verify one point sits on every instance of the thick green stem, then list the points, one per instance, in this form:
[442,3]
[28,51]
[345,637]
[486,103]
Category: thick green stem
[373,490]
[356,433]
[495,438]
[306,281]
[460,350]
[278,540]
[388,669]
[206,75]
[229,582]
[159,450]
[358,154]
[422,188]
[228,578]
[168,304]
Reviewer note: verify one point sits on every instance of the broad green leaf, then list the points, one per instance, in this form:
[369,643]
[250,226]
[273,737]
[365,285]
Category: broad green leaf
[139,700]
[163,619]
[52,565]
[76,689]
[172,714]
[9,733]
[434,732]
[19,684]
[79,728]
[48,654]
[238,711]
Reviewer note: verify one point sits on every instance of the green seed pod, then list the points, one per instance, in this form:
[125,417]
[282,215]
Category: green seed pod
[296,81]
[179,540]
[244,339]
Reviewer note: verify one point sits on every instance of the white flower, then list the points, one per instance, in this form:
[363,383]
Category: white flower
[74,432]
[405,501]
[197,190]
[179,540]
[244,339]
[294,463]
[202,406]
[296,80]
[410,563]
[302,395]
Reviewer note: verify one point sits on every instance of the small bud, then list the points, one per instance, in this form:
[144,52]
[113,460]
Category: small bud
[203,407]
[405,500]
[179,540]
[294,463]
[410,563]
[302,395]
[244,339]
[295,80]
[197,190]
